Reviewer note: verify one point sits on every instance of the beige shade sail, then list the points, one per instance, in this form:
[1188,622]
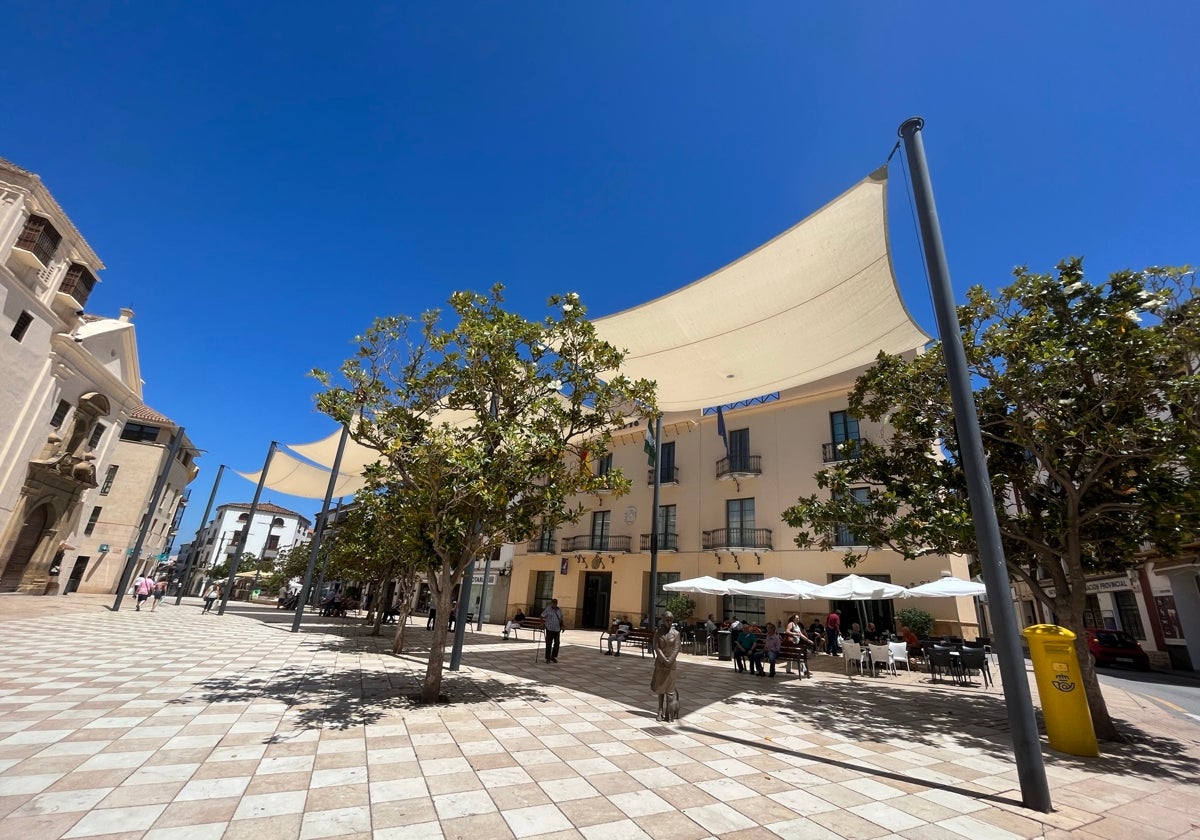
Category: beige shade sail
[817,300]
[290,475]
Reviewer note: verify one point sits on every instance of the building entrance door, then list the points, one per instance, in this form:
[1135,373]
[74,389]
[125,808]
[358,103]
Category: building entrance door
[81,564]
[597,590]
[27,543]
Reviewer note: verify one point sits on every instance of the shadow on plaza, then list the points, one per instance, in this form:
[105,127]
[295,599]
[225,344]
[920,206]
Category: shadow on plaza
[862,709]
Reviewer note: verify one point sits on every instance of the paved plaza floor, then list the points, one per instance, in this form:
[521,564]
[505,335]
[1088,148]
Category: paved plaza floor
[176,725]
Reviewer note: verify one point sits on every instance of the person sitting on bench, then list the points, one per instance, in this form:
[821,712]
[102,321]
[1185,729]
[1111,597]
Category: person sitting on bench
[515,624]
[620,634]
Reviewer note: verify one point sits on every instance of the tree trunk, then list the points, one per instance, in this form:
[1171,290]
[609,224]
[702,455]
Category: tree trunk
[432,687]
[1070,615]
[378,606]
[405,587]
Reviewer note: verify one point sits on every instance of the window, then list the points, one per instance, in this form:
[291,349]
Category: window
[753,610]
[78,283]
[666,519]
[60,414]
[39,238]
[97,433]
[739,520]
[139,433]
[19,328]
[666,463]
[92,520]
[739,450]
[545,541]
[661,596]
[601,522]
[1127,612]
[844,535]
[273,542]
[543,592]
[843,426]
[605,464]
[108,479]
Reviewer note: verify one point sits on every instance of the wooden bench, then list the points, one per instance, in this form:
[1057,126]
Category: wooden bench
[788,652]
[533,626]
[639,636]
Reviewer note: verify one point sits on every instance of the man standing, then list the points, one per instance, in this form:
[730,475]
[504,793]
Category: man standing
[554,624]
[833,627]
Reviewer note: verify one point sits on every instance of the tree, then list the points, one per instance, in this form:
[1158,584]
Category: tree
[483,428]
[1087,400]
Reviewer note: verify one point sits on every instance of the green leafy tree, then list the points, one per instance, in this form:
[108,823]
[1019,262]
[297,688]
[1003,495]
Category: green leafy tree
[918,621]
[482,428]
[682,607]
[1087,400]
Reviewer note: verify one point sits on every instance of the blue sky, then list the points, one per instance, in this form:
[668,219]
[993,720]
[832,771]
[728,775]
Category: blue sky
[264,179]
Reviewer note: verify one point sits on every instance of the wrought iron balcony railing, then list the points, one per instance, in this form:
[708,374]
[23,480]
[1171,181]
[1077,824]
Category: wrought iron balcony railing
[670,475]
[739,466]
[594,542]
[759,538]
[666,542]
[845,450]
[542,545]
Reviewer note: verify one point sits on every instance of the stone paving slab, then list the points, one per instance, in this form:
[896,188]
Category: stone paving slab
[176,724]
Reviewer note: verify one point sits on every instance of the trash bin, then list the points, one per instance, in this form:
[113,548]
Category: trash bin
[1060,685]
[724,645]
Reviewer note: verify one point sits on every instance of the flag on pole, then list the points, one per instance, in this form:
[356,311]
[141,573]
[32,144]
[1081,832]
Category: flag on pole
[585,459]
[648,446]
[721,430]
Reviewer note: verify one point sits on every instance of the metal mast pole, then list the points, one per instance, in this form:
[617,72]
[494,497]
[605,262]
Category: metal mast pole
[651,622]
[196,550]
[155,497]
[302,601]
[1031,770]
[244,534]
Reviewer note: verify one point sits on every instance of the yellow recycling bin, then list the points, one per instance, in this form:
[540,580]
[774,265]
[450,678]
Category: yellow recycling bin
[1060,685]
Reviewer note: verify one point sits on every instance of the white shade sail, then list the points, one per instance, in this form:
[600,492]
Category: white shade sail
[817,300]
[774,587]
[702,585]
[857,588]
[948,587]
[290,475]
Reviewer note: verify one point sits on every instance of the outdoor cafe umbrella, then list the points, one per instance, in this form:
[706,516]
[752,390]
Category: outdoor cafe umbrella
[949,587]
[858,588]
[704,585]
[774,587]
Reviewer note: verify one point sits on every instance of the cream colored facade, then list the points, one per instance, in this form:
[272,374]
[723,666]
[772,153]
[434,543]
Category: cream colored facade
[595,579]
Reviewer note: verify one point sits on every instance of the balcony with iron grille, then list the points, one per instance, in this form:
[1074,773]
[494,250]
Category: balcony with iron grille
[739,466]
[666,542]
[77,285]
[593,542]
[670,475]
[749,538]
[544,545]
[37,242]
[845,450]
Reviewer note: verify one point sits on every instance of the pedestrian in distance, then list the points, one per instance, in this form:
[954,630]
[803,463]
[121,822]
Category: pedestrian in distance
[833,629]
[160,592]
[144,590]
[553,617]
[210,595]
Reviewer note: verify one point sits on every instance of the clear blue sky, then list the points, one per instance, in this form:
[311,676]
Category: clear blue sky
[263,179]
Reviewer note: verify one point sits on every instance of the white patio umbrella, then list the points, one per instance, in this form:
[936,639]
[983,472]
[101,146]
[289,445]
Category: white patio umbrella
[948,587]
[774,587]
[857,588]
[704,585]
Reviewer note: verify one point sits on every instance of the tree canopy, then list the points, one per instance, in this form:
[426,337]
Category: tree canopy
[482,427]
[1087,397]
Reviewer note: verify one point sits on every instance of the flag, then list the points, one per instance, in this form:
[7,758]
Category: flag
[648,446]
[721,430]
[585,459]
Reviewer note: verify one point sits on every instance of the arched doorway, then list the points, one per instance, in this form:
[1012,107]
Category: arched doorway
[27,543]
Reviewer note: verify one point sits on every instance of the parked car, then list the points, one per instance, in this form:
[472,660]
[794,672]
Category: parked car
[1116,647]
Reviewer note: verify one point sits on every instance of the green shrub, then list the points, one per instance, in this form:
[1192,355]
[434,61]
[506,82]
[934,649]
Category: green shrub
[682,606]
[918,621]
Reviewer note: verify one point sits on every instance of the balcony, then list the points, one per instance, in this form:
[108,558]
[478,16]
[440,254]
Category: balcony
[749,538]
[36,244]
[740,466]
[666,542]
[670,475]
[78,284]
[846,450]
[544,545]
[594,542]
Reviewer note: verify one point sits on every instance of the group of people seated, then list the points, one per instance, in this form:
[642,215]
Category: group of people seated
[752,645]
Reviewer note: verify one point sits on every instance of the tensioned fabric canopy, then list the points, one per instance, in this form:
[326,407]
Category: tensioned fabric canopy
[290,475]
[816,300]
